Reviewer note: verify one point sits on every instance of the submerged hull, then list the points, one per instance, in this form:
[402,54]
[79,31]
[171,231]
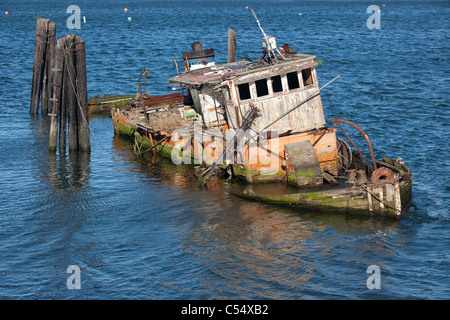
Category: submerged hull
[386,197]
[361,200]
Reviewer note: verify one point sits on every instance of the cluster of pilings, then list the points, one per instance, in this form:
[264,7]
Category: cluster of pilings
[60,84]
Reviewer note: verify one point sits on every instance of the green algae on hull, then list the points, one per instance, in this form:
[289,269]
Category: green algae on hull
[103,105]
[311,200]
[339,200]
[243,173]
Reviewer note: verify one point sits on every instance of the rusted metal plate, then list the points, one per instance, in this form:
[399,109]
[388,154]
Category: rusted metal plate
[208,52]
[156,100]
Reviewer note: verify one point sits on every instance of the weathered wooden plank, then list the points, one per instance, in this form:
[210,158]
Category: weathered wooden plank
[397,200]
[389,193]
[370,200]
[381,196]
[307,117]
[231,45]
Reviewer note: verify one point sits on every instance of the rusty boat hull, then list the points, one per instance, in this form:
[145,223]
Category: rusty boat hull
[389,195]
[260,162]
[262,122]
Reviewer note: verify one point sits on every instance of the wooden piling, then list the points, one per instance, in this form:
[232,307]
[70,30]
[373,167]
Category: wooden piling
[57,95]
[82,97]
[63,116]
[47,89]
[45,86]
[39,63]
[71,95]
[231,45]
[67,42]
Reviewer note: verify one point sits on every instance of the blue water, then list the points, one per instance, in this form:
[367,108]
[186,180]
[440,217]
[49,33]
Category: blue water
[145,230]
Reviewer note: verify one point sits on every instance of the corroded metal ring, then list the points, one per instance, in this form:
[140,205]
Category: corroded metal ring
[382,173]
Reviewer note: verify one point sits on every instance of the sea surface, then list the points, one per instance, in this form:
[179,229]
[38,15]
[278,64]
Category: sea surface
[147,230]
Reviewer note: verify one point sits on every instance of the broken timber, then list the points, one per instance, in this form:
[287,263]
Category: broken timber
[231,45]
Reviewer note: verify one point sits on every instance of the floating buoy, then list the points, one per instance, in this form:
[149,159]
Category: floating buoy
[246,7]
[129,18]
[125,10]
[6,12]
[384,5]
[300,14]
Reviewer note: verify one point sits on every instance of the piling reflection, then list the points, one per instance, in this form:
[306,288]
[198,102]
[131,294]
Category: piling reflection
[62,170]
[60,204]
[69,171]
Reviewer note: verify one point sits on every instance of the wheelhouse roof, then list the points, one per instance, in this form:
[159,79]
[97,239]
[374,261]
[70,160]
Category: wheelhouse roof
[243,71]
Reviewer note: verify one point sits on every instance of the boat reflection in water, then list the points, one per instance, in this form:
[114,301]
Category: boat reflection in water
[230,239]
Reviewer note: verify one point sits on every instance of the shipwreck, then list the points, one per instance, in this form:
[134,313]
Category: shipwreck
[262,122]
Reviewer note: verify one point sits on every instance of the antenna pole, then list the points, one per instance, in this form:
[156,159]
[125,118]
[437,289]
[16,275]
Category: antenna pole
[269,47]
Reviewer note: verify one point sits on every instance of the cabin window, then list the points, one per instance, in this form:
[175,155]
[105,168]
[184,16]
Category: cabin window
[307,77]
[261,88]
[244,91]
[277,86]
[292,79]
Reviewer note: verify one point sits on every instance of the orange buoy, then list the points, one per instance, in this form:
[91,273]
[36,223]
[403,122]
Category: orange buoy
[384,5]
[246,7]
[125,10]
[6,12]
